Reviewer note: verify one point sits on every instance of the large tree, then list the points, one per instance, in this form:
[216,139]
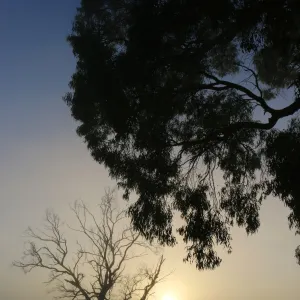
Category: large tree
[169,94]
[97,265]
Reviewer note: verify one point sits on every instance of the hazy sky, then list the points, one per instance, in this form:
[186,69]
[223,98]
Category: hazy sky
[44,164]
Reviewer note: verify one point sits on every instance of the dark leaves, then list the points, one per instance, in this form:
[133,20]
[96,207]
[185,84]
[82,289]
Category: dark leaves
[204,227]
[158,105]
[153,219]
[283,163]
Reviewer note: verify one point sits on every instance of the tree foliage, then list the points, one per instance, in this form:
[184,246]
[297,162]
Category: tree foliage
[167,95]
[97,268]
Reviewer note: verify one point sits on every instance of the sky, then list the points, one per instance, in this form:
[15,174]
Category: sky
[43,164]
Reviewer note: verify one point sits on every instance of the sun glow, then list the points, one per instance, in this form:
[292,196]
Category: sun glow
[169,296]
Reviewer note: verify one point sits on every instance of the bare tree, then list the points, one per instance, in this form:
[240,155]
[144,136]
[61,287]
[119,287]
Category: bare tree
[96,271]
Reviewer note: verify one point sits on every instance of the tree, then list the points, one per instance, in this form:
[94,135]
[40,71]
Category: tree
[96,270]
[167,94]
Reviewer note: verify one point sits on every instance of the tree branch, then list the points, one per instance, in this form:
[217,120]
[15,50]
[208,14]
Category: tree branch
[242,89]
[111,243]
[223,132]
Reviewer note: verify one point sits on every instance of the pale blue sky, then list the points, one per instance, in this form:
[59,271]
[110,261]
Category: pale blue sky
[44,164]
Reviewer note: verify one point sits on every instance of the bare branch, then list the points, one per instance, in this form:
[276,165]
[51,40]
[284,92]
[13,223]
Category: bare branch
[111,244]
[141,284]
[254,74]
[153,279]
[51,255]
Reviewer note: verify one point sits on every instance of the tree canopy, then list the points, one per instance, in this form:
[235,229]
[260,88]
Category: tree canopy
[170,94]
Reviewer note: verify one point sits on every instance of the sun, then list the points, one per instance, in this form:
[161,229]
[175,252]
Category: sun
[169,296]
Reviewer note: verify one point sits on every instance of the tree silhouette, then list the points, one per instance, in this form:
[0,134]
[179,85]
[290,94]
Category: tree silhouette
[167,93]
[96,270]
